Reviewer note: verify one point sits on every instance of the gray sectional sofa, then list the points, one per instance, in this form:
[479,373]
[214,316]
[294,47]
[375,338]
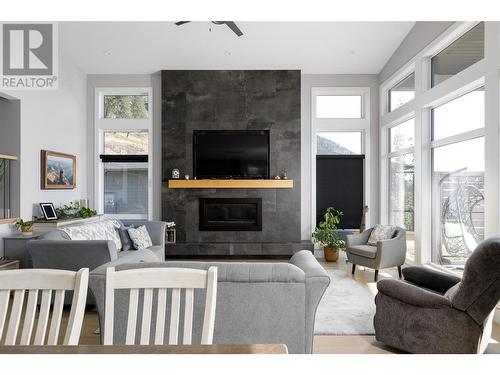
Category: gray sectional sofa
[56,249]
[256,302]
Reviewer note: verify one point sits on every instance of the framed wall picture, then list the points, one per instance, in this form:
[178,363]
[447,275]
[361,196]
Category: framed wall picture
[58,170]
[48,210]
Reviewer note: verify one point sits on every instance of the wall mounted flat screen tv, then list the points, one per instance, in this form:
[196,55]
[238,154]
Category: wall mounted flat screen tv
[231,154]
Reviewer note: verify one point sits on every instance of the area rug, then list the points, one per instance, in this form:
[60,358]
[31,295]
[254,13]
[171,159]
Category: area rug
[347,308]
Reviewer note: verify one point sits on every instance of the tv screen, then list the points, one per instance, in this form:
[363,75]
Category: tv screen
[228,154]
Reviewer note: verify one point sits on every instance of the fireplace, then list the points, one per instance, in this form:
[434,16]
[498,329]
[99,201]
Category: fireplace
[235,214]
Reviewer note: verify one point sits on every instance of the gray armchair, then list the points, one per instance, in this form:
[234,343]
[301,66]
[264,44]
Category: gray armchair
[387,253]
[433,312]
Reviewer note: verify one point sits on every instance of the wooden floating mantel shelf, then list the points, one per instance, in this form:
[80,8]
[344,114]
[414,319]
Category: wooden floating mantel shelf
[230,184]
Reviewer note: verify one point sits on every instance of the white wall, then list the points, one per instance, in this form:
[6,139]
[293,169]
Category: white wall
[56,121]
[331,80]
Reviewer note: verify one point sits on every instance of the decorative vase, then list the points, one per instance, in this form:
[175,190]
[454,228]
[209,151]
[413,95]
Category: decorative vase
[331,253]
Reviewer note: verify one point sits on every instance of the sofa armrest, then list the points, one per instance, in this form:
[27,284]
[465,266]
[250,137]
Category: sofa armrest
[317,281]
[71,255]
[430,279]
[156,229]
[411,294]
[358,239]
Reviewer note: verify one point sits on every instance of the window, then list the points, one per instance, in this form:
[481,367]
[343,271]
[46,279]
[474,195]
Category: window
[459,116]
[123,133]
[339,143]
[126,188]
[339,106]
[458,201]
[401,201]
[402,180]
[402,93]
[126,142]
[402,136]
[462,53]
[126,106]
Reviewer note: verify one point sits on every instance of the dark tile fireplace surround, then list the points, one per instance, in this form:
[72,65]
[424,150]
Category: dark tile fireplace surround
[220,223]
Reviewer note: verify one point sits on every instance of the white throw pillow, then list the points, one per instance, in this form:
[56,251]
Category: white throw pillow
[381,232]
[140,237]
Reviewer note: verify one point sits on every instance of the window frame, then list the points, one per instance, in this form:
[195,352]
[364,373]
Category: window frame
[102,125]
[485,72]
[341,125]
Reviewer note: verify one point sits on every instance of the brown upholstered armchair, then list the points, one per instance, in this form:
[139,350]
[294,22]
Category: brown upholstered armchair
[433,312]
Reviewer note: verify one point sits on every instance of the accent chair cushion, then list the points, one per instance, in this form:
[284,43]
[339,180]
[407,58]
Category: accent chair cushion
[381,232]
[140,237]
[366,251]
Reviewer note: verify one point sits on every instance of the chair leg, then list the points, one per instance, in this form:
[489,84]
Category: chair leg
[399,271]
[353,268]
[376,275]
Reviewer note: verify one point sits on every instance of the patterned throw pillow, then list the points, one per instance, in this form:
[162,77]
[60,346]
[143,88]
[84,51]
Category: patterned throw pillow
[140,237]
[381,232]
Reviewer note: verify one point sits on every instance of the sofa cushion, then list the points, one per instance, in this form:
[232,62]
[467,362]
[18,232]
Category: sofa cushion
[129,256]
[140,237]
[381,232]
[159,251]
[366,251]
[101,230]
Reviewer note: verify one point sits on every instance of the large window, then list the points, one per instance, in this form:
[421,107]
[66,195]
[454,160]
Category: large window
[402,92]
[123,129]
[402,180]
[458,196]
[459,55]
[457,179]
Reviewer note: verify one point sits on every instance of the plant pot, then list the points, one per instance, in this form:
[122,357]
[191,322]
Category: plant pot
[331,253]
[26,230]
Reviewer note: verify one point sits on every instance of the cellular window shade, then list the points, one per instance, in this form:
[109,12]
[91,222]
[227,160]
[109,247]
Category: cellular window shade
[339,184]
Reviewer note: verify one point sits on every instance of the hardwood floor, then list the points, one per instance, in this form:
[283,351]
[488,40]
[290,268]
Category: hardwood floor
[365,344]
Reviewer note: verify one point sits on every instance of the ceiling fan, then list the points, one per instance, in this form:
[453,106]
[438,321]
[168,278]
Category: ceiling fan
[229,24]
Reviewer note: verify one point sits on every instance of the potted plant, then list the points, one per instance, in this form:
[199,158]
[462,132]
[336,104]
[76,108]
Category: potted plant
[24,226]
[326,235]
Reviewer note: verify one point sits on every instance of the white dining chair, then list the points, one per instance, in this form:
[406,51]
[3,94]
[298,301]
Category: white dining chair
[46,283]
[161,279]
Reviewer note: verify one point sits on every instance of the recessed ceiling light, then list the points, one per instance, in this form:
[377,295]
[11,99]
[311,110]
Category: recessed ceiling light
[227,53]
[107,53]
[352,52]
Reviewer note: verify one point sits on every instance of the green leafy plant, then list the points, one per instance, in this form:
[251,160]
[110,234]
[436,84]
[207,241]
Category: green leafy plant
[24,226]
[73,210]
[325,233]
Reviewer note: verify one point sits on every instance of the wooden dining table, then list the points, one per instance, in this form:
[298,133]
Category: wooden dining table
[148,349]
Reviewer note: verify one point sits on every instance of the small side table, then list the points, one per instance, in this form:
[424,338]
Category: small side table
[9,264]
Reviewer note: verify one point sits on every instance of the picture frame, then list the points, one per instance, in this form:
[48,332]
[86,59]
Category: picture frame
[49,211]
[58,170]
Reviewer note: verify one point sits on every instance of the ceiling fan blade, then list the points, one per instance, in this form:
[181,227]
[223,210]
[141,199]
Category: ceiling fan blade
[233,27]
[181,23]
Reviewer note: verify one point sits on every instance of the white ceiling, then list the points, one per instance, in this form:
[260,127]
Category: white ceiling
[313,47]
